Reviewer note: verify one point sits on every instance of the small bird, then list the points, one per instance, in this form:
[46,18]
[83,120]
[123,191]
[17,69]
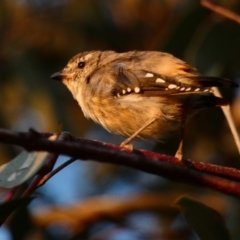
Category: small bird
[139,94]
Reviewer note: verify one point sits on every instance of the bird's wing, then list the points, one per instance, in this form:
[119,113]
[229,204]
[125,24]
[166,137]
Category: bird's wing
[149,83]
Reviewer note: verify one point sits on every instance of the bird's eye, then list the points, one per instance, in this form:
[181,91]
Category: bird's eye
[81,64]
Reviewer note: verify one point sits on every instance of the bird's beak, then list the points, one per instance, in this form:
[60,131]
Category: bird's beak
[63,75]
[58,76]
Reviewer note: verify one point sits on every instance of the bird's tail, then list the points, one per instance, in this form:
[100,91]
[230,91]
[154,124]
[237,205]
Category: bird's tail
[213,82]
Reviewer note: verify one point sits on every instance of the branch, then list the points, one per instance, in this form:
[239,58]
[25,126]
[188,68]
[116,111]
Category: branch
[221,11]
[55,171]
[80,216]
[228,115]
[190,172]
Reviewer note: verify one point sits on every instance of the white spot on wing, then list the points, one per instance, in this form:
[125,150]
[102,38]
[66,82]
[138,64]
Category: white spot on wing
[129,89]
[188,89]
[197,89]
[136,89]
[149,75]
[182,89]
[172,86]
[123,91]
[159,80]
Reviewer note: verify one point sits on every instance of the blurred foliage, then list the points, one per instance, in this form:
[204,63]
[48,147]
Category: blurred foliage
[38,37]
[213,226]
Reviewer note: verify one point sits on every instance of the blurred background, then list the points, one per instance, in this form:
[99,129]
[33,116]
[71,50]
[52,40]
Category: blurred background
[38,37]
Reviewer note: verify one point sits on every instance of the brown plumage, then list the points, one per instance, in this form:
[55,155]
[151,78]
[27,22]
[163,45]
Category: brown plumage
[124,91]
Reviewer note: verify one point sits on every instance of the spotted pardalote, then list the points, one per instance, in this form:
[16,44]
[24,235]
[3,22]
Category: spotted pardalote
[142,94]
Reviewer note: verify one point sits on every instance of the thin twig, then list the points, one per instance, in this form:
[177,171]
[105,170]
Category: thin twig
[221,11]
[32,187]
[55,171]
[226,109]
[228,115]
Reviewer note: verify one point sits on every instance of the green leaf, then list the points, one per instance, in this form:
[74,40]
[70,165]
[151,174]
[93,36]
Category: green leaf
[205,221]
[7,208]
[21,168]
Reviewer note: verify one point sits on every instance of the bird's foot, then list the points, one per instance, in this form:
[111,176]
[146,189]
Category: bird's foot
[126,146]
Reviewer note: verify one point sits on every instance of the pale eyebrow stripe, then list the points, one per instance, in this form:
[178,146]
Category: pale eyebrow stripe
[87,56]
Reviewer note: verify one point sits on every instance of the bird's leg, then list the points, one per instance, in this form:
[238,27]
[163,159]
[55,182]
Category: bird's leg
[126,141]
[179,152]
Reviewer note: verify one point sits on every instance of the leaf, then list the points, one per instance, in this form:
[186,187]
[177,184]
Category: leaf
[22,167]
[7,208]
[205,221]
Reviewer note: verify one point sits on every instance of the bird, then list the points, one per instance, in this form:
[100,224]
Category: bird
[148,95]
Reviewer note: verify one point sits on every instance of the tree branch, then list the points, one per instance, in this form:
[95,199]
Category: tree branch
[55,171]
[221,11]
[190,172]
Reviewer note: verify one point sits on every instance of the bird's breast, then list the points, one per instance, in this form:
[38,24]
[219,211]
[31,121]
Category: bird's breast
[125,115]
